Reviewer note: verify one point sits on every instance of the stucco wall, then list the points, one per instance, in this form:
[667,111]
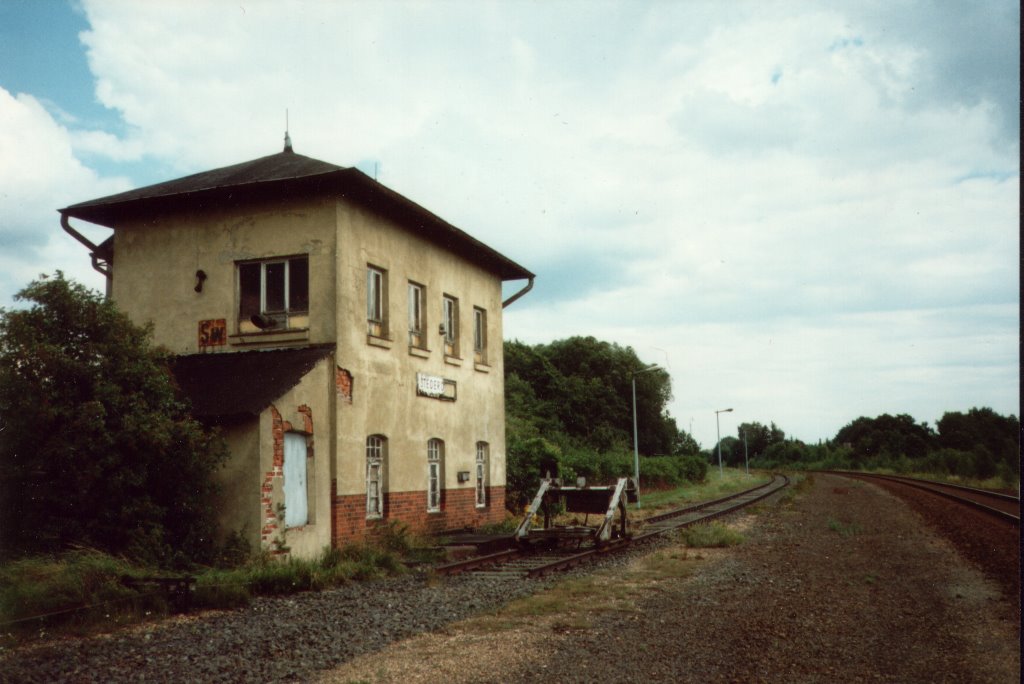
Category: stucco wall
[238,502]
[385,400]
[155,264]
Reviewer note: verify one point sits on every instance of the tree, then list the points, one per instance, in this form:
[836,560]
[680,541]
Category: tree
[759,437]
[685,445]
[578,391]
[96,448]
[887,437]
[991,437]
[732,452]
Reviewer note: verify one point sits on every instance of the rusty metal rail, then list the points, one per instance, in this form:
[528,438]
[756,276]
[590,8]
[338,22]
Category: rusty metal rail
[520,563]
[997,504]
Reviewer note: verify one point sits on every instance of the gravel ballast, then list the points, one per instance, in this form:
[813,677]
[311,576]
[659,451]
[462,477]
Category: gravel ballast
[844,583]
[275,639]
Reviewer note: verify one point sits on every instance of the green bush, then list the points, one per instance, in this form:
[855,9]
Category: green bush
[528,461]
[96,448]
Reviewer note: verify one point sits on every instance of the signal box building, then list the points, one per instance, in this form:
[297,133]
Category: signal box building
[347,342]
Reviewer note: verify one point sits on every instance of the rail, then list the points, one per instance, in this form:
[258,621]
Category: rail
[997,504]
[526,563]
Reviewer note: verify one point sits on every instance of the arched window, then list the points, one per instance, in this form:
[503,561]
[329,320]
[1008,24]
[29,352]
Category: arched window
[481,473]
[376,455]
[435,473]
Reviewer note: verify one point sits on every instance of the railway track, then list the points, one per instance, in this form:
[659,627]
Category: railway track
[998,505]
[527,563]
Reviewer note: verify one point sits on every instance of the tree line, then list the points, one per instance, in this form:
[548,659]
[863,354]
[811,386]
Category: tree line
[978,443]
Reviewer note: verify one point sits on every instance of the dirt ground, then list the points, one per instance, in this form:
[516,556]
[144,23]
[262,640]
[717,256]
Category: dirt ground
[842,581]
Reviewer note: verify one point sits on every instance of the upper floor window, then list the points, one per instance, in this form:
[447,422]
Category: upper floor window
[481,473]
[451,325]
[273,294]
[435,473]
[417,317]
[376,301]
[479,335]
[376,454]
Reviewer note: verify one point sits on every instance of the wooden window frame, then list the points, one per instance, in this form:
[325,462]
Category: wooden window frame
[376,459]
[435,474]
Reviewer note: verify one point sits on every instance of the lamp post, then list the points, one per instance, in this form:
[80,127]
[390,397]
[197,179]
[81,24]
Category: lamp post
[718,434]
[636,447]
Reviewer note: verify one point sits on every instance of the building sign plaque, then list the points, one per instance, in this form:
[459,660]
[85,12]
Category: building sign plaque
[435,386]
[213,333]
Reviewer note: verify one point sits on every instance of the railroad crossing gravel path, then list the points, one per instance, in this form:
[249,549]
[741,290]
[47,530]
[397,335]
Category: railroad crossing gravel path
[845,583]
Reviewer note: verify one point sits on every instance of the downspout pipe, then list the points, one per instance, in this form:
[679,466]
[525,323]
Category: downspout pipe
[87,242]
[517,295]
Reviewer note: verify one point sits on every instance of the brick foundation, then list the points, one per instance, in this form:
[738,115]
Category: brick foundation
[458,510]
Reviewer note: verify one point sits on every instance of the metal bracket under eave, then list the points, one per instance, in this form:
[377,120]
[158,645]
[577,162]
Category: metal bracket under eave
[99,264]
[517,295]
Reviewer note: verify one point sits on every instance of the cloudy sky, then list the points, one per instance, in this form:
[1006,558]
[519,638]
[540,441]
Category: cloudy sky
[806,211]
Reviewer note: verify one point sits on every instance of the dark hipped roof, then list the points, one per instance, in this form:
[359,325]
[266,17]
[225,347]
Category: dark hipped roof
[240,384]
[293,175]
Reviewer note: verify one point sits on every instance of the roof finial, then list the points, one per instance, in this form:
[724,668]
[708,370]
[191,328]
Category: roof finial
[287,138]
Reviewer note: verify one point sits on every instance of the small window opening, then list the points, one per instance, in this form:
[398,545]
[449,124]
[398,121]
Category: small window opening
[481,473]
[417,322]
[376,301]
[451,325]
[273,294]
[479,335]
[375,456]
[435,474]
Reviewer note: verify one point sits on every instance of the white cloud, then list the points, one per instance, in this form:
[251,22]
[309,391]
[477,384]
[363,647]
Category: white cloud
[765,191]
[39,174]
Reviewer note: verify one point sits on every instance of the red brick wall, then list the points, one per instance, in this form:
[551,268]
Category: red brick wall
[458,510]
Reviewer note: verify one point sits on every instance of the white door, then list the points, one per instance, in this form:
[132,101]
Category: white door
[296,508]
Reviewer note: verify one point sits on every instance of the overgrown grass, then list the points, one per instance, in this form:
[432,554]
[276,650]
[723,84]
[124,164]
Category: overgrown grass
[71,592]
[266,576]
[711,535]
[506,526]
[84,591]
[712,487]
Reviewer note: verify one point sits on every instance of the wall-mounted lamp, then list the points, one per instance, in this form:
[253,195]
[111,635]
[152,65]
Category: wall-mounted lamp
[200,278]
[440,330]
[463,476]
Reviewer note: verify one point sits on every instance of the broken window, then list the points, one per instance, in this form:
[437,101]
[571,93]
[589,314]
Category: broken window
[451,325]
[481,473]
[435,473]
[376,301]
[296,503]
[417,323]
[273,294]
[375,456]
[479,335]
